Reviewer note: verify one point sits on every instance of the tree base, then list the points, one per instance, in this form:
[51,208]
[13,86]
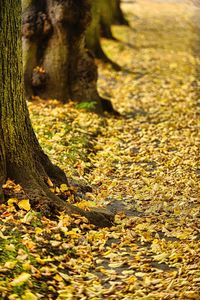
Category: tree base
[49,204]
[108,107]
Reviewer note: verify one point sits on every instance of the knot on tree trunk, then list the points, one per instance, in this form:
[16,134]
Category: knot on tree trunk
[35,24]
[70,13]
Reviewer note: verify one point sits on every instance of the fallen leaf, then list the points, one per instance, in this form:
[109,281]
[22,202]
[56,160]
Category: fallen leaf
[24,204]
[21,279]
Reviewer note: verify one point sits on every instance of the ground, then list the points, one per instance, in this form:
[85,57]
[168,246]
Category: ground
[142,165]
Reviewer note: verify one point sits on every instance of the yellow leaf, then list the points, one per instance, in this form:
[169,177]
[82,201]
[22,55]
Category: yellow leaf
[131,279]
[142,226]
[127,272]
[43,261]
[10,247]
[26,266]
[84,204]
[160,257]
[29,217]
[21,279]
[57,190]
[11,201]
[58,278]
[29,244]
[24,204]
[13,297]
[63,188]
[5,237]
[64,276]
[38,230]
[10,264]
[49,182]
[140,274]
[66,294]
[177,211]
[29,296]
[40,260]
[72,234]
[115,264]
[55,243]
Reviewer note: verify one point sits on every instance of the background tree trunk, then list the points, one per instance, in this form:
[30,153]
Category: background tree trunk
[118,17]
[111,13]
[108,8]
[21,157]
[93,32]
[56,62]
[102,19]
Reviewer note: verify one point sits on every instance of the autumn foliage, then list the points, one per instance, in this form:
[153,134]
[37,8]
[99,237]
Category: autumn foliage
[142,166]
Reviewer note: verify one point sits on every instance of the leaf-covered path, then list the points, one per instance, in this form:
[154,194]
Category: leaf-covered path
[142,165]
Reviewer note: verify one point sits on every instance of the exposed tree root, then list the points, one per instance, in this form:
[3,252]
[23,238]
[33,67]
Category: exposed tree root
[50,204]
[114,65]
[42,199]
[56,174]
[106,31]
[107,106]
[102,56]
[122,21]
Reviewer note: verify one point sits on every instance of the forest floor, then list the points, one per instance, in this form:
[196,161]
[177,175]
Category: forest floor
[141,165]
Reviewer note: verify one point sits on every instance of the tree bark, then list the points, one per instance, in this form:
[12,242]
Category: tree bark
[111,13]
[118,16]
[56,61]
[21,157]
[93,32]
[2,165]
[108,8]
[101,17]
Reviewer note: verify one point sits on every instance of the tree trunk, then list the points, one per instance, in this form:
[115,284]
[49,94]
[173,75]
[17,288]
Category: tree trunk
[118,17]
[111,13]
[56,62]
[108,8]
[21,157]
[93,33]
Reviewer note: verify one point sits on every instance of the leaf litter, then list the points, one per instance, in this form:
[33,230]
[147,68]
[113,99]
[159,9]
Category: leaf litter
[143,166]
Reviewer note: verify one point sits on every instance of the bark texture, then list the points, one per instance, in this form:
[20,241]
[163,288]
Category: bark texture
[56,62]
[21,157]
